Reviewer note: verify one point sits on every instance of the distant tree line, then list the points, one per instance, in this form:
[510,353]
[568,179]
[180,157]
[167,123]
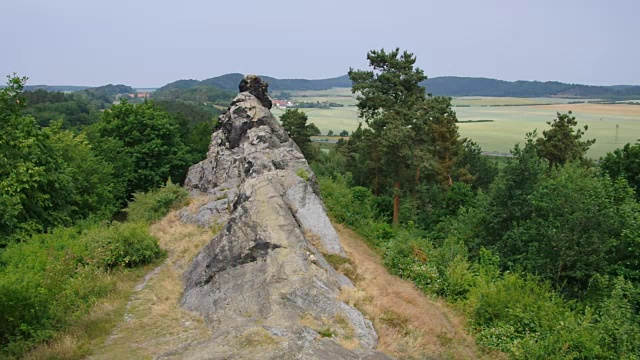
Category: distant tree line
[317,105]
[443,86]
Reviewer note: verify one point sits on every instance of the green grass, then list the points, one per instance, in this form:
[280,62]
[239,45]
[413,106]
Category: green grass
[336,119]
[509,125]
[512,123]
[497,101]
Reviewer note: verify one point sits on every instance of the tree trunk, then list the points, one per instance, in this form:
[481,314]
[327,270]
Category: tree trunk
[396,204]
[417,176]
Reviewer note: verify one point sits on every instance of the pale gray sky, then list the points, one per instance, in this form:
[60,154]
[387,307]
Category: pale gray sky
[147,43]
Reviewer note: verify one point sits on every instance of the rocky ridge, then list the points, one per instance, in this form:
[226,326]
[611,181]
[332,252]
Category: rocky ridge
[262,284]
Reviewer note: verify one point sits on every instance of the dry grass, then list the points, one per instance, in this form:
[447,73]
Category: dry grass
[154,322]
[337,328]
[256,338]
[92,330]
[409,324]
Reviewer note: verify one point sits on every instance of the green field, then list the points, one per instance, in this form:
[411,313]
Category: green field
[509,125]
[506,101]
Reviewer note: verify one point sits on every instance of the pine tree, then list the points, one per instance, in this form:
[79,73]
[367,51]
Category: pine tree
[390,98]
[561,143]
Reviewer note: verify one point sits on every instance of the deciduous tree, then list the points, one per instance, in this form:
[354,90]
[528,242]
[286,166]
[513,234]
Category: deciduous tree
[624,163]
[144,145]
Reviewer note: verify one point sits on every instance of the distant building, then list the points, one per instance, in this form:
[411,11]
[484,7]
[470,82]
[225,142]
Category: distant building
[282,104]
[140,95]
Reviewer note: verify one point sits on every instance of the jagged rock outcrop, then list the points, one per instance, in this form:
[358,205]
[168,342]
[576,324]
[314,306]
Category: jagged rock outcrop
[263,284]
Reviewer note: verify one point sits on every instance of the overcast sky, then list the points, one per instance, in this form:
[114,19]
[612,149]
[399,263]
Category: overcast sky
[148,43]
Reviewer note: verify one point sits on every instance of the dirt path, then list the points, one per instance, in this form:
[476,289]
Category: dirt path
[410,324]
[154,322]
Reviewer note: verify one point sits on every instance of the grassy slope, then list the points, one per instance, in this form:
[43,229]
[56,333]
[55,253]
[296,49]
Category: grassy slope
[410,325]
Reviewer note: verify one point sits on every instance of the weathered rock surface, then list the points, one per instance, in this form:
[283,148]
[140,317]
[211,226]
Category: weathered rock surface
[262,284]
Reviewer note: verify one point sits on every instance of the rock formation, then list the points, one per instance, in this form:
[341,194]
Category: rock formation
[262,284]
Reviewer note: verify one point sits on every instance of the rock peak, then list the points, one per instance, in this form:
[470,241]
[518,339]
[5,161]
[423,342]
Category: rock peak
[262,284]
[258,88]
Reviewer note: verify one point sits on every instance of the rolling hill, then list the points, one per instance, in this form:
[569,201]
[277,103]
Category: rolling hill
[445,85]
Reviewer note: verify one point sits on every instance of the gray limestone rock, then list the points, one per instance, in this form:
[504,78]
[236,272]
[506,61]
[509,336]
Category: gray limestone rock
[262,284]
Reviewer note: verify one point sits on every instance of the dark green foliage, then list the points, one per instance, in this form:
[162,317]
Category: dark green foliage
[295,124]
[624,163]
[482,170]
[313,130]
[389,100]
[442,140]
[466,86]
[561,143]
[509,196]
[513,312]
[52,177]
[105,95]
[73,110]
[155,204]
[202,95]
[349,205]
[144,145]
[566,225]
[56,88]
[196,122]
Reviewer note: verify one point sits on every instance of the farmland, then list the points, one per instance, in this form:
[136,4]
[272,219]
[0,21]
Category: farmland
[511,118]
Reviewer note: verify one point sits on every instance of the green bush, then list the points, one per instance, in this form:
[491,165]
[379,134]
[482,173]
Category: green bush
[412,258]
[351,206]
[123,245]
[155,204]
[51,279]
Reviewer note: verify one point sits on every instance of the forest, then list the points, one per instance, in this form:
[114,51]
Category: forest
[540,251]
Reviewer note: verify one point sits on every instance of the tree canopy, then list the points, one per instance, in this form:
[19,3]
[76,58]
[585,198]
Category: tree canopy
[561,143]
[295,124]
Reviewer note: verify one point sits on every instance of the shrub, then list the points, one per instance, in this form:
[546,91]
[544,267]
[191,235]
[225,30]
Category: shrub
[155,204]
[51,279]
[123,245]
[351,206]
